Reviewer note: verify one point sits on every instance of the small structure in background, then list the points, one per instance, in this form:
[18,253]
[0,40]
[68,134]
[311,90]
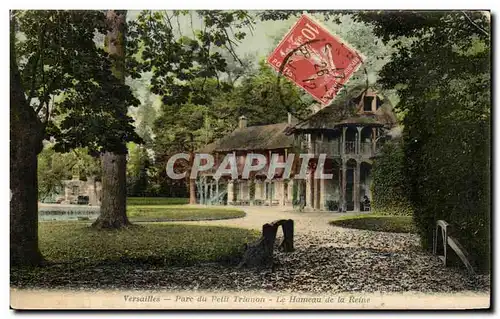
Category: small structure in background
[80,192]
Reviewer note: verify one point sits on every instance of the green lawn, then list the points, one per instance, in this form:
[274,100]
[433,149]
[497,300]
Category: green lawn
[132,201]
[178,213]
[158,243]
[391,224]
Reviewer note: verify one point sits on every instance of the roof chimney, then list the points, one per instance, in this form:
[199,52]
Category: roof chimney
[289,118]
[242,121]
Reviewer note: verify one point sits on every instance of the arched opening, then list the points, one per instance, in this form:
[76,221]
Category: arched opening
[333,186]
[365,181]
[350,140]
[350,175]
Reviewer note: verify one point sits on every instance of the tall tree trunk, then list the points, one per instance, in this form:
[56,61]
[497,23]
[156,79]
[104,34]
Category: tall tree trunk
[114,192]
[25,144]
[114,166]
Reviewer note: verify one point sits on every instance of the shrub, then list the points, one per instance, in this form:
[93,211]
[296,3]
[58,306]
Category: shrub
[388,186]
[133,201]
[450,181]
[332,205]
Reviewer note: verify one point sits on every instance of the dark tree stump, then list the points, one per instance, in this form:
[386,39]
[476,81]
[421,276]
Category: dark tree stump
[260,253]
[287,243]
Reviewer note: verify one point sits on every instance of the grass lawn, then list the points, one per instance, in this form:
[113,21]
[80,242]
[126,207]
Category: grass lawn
[155,244]
[178,213]
[391,224]
[131,201]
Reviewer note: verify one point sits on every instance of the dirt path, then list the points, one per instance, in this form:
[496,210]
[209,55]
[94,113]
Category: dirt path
[257,216]
[329,258]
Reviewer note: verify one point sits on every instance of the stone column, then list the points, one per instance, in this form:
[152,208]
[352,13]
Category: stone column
[247,189]
[270,192]
[278,189]
[205,191]
[210,192]
[217,191]
[290,191]
[230,191]
[258,189]
[241,190]
[343,202]
[309,189]
[199,190]
[264,191]
[359,140]
[251,184]
[342,149]
[322,194]
[356,190]
[317,202]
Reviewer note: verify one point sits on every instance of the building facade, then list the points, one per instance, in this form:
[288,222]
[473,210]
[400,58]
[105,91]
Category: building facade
[267,140]
[348,132]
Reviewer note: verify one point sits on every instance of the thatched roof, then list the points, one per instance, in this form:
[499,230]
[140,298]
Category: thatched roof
[344,111]
[260,137]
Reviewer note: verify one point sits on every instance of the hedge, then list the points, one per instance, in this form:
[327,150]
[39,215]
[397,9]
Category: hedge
[388,182]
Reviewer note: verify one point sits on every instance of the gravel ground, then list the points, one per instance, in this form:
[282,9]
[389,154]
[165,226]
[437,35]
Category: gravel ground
[326,259]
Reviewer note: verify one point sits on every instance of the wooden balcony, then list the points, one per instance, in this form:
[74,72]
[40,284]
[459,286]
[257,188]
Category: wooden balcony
[330,148]
[333,148]
[350,147]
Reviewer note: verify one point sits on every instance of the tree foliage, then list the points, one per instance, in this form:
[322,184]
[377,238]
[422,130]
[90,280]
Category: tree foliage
[55,167]
[445,94]
[68,80]
[61,87]
[176,62]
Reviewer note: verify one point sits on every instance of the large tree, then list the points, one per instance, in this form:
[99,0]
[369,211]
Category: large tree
[61,87]
[114,162]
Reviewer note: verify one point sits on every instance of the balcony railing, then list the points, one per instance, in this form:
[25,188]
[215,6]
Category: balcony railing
[333,148]
[350,147]
[329,148]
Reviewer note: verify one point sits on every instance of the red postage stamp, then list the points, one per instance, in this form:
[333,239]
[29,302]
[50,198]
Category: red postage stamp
[315,60]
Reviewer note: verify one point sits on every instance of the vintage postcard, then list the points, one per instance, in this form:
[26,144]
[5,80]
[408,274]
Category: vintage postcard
[250,159]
